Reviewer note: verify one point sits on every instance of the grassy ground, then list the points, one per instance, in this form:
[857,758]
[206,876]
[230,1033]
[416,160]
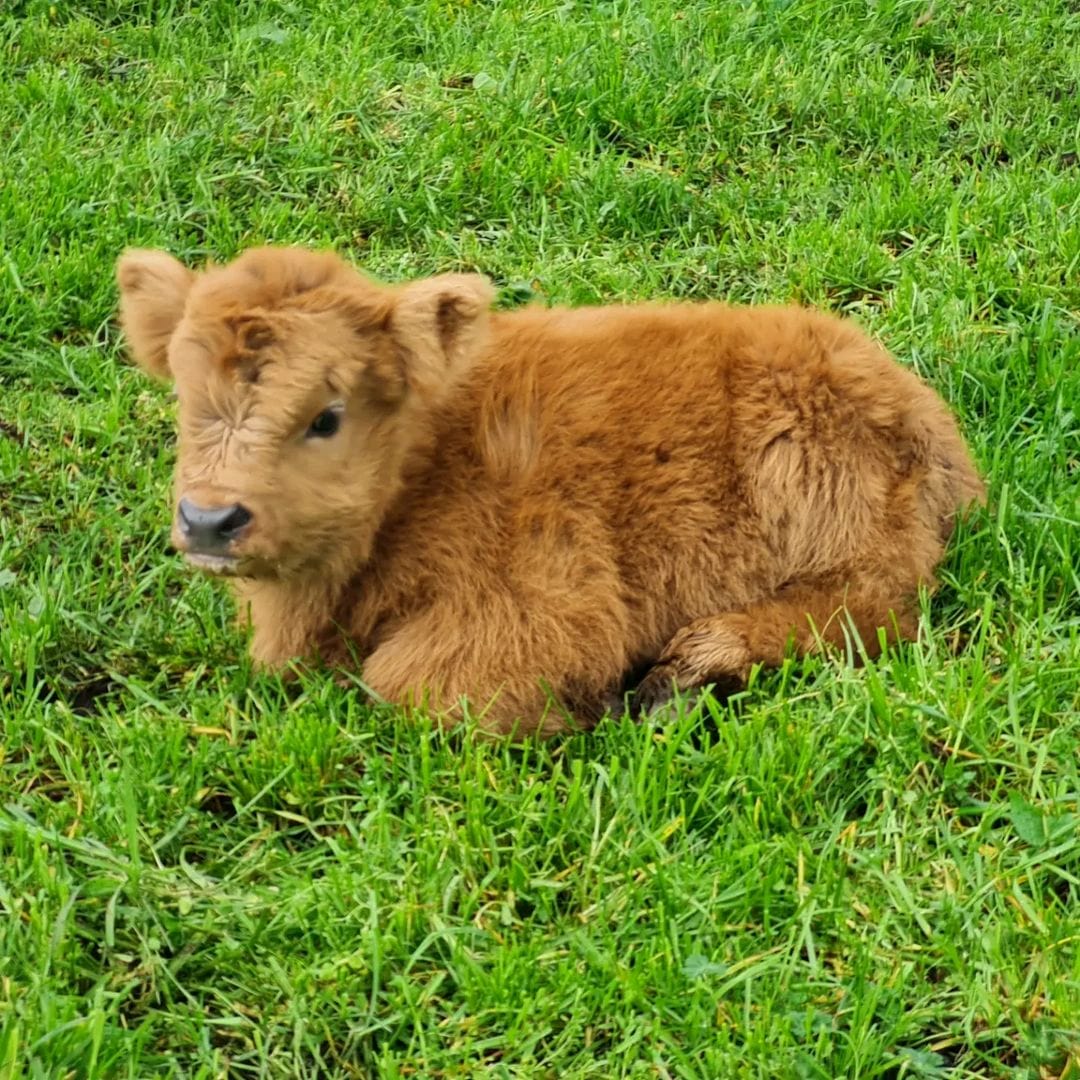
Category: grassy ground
[844,873]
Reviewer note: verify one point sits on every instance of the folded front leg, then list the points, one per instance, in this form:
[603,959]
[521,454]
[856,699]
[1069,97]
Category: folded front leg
[543,671]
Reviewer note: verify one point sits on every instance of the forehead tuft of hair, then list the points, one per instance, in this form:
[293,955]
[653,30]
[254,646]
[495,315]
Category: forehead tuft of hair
[232,308]
[270,277]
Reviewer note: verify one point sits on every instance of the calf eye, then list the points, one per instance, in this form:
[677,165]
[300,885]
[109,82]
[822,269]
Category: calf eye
[325,424]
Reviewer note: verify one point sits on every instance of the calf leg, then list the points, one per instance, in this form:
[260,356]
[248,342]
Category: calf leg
[721,649]
[545,673]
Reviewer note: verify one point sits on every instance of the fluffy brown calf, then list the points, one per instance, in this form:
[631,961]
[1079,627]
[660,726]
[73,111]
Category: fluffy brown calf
[521,508]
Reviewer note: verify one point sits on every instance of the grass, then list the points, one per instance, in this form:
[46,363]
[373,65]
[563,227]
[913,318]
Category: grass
[842,873]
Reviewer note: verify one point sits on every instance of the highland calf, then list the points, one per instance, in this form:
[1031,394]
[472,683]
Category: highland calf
[519,509]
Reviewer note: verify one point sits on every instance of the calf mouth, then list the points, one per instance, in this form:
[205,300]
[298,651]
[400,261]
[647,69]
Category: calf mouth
[227,565]
[220,565]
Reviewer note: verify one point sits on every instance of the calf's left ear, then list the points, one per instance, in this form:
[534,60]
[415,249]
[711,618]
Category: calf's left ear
[438,324]
[153,291]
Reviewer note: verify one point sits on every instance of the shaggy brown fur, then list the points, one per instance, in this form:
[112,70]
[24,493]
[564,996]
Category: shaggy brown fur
[520,508]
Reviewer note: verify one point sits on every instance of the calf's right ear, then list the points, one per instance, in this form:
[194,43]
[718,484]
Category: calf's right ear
[153,291]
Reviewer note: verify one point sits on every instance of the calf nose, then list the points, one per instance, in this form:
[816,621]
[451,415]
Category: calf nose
[208,529]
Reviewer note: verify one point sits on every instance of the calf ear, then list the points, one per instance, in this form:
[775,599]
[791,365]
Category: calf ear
[153,290]
[438,324]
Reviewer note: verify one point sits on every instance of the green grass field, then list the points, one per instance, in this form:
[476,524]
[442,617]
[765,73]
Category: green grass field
[841,873]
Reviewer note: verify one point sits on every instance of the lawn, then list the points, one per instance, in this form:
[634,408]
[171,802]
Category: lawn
[839,873]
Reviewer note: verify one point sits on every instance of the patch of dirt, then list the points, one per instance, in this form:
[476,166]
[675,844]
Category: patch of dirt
[83,701]
[10,431]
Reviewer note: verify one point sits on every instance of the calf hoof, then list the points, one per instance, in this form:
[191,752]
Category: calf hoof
[616,704]
[655,691]
[660,686]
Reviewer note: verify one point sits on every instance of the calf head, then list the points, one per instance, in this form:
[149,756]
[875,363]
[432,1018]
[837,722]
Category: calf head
[302,387]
